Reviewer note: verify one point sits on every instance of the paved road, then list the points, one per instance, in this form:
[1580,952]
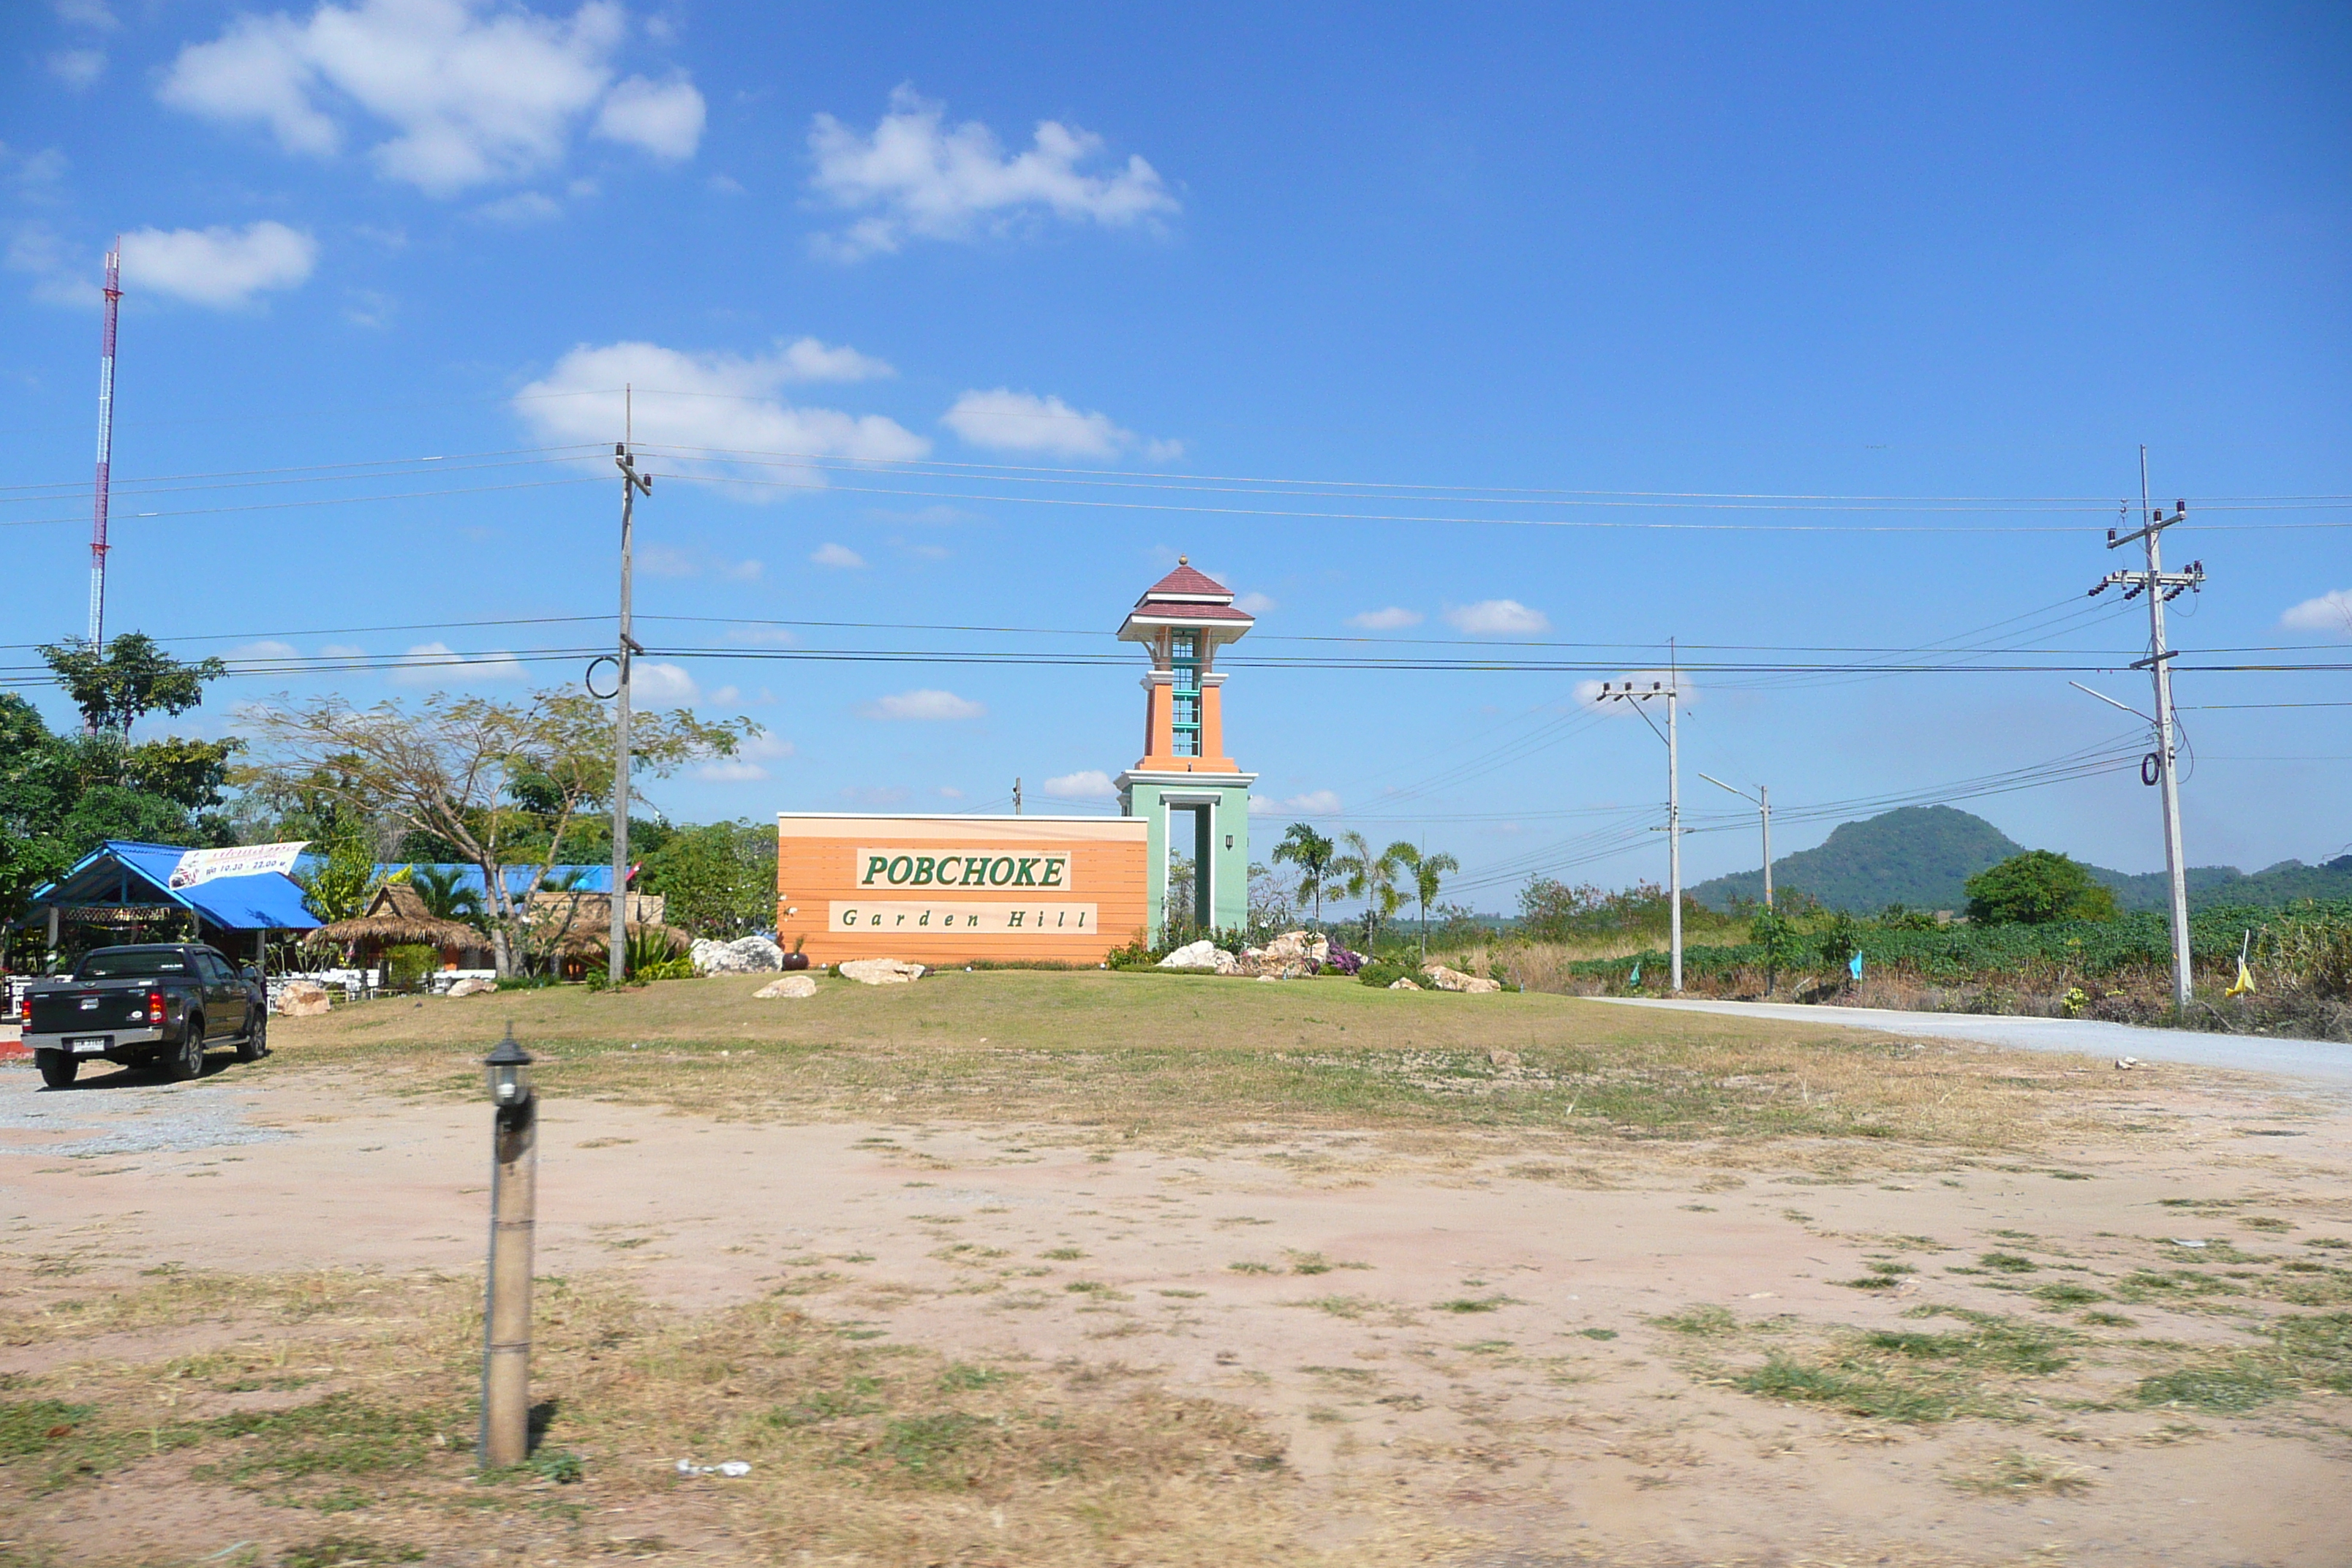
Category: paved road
[2322,1059]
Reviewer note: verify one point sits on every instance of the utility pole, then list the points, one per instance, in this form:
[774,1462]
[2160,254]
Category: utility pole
[1016,798]
[1671,690]
[631,483]
[2161,587]
[1763,799]
[98,545]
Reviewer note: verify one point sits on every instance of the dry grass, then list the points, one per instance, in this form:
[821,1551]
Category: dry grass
[861,1452]
[1151,1056]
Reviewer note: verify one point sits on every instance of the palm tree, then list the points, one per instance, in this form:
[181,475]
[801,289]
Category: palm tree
[445,896]
[1428,872]
[1311,853]
[1351,872]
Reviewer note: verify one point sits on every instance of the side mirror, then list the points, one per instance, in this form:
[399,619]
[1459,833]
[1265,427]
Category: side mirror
[253,974]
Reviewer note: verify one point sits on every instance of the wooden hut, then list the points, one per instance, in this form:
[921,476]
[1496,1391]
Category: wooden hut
[396,917]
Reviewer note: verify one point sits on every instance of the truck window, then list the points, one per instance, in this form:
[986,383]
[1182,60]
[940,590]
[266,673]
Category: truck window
[130,962]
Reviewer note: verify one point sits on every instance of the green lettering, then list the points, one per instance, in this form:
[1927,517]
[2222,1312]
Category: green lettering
[900,869]
[975,871]
[999,871]
[1028,876]
[947,878]
[874,868]
[1013,918]
[849,917]
[1053,865]
[923,868]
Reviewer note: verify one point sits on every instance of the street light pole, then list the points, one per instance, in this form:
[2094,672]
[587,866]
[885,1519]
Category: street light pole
[1763,799]
[514,1201]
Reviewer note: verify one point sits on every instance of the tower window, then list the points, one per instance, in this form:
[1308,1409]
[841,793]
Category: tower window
[1184,661]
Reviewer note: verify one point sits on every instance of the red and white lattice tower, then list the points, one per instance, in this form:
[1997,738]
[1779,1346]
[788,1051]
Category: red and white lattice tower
[105,450]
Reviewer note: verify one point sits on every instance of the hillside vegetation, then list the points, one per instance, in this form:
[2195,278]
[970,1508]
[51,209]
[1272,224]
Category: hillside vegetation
[1920,856]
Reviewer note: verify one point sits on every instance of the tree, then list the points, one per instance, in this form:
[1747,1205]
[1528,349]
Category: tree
[129,679]
[485,777]
[339,885]
[1308,850]
[720,879]
[2036,888]
[1428,873]
[1783,945]
[444,894]
[1371,877]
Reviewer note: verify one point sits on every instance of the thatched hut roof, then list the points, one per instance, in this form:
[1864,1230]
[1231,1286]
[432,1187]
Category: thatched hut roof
[397,915]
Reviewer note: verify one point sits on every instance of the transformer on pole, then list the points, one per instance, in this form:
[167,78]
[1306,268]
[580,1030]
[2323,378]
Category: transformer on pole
[105,450]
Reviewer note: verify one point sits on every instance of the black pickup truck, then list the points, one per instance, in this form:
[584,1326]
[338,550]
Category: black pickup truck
[150,1006]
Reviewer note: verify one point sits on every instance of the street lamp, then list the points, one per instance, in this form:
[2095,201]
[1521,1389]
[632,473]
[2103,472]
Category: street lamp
[1763,799]
[506,1317]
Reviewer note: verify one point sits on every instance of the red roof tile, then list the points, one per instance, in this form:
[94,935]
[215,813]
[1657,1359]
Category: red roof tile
[1179,610]
[1184,580]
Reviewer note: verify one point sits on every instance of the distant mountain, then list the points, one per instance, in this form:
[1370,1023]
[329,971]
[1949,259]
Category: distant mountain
[1917,855]
[1921,856]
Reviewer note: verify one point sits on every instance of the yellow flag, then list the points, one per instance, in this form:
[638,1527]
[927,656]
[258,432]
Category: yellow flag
[2245,985]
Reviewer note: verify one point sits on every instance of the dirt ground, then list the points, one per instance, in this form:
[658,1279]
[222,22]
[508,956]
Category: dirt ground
[1499,1346]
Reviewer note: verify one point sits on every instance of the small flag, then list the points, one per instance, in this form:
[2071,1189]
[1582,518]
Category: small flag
[1636,978]
[1854,968]
[2244,984]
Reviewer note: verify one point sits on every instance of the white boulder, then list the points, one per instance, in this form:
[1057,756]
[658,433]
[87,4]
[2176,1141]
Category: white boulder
[745,956]
[472,988]
[1446,979]
[300,999]
[881,971]
[1202,954]
[1401,984]
[789,985]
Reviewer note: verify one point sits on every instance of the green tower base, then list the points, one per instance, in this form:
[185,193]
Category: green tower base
[1219,806]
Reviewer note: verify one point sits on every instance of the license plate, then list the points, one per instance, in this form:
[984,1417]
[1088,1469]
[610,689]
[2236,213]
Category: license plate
[86,1043]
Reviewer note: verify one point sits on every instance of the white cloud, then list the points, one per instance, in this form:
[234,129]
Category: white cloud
[1255,603]
[342,650]
[836,556]
[522,207]
[749,761]
[2330,614]
[217,266]
[923,704]
[714,401]
[665,561]
[1393,619]
[1004,420]
[917,177]
[470,95]
[651,682]
[435,663]
[1092,784]
[950,792]
[1497,618]
[1314,802]
[268,649]
[77,69]
[1594,694]
[664,117]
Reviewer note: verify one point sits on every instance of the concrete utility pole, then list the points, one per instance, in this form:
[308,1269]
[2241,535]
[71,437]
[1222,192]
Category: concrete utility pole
[2161,587]
[617,964]
[1671,690]
[1763,799]
[1016,798]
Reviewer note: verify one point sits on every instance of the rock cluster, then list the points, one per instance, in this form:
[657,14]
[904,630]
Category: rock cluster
[745,956]
[881,971]
[472,988]
[1202,954]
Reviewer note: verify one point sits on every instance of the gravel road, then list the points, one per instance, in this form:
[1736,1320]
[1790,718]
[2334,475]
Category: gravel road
[2328,1061]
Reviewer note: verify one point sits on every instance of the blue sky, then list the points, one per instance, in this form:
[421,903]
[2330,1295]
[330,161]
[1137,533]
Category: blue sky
[938,270]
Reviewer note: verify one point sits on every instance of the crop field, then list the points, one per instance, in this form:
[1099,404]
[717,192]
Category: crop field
[1018,1268]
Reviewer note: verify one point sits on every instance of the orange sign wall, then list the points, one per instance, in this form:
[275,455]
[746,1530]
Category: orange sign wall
[950,889]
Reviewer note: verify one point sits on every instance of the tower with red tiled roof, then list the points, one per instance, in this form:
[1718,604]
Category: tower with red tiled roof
[1182,621]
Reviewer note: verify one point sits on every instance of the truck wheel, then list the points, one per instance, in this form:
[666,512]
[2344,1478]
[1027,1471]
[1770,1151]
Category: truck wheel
[256,1043]
[187,1061]
[58,1069]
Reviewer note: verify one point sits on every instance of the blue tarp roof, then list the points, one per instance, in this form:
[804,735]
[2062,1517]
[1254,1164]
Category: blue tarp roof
[121,872]
[568,879]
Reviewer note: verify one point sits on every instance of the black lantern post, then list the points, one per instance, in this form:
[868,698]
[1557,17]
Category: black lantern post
[505,1321]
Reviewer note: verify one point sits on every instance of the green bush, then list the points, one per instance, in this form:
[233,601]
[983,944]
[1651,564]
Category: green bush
[2036,888]
[1384,972]
[409,964]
